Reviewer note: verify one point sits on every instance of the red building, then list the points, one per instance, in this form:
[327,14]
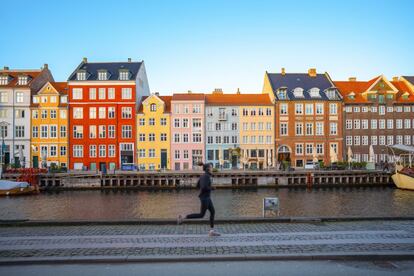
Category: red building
[103,97]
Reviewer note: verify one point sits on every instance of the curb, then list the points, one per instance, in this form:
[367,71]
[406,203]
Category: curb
[23,223]
[354,256]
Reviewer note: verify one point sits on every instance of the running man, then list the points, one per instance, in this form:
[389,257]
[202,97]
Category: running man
[204,183]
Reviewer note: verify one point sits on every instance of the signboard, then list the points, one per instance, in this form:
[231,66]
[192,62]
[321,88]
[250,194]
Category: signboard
[272,205]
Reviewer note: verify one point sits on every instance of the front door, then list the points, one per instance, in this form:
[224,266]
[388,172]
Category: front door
[36,162]
[102,167]
[234,161]
[163,159]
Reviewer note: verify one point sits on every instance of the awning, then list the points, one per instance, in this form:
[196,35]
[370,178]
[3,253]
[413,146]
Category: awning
[401,149]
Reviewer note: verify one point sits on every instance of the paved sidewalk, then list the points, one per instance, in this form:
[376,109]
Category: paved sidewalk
[189,242]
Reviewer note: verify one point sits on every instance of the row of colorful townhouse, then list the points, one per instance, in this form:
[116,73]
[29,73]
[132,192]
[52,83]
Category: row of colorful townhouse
[104,117]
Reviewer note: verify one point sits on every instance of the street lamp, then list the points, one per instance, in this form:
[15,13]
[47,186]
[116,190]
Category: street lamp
[3,126]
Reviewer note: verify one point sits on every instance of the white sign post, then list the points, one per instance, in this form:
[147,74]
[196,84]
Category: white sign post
[271,204]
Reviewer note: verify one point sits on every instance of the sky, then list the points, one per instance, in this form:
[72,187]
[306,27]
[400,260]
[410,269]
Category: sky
[203,45]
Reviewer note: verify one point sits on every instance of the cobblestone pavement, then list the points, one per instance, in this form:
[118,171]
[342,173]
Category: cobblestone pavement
[158,242]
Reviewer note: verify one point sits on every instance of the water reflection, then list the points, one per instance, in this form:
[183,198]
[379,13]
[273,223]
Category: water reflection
[133,204]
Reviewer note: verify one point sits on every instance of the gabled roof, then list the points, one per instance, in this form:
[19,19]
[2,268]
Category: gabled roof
[14,76]
[358,88]
[113,68]
[61,87]
[290,81]
[188,97]
[165,99]
[237,99]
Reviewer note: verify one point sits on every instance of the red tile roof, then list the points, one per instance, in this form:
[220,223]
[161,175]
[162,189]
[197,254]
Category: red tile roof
[165,99]
[188,97]
[14,74]
[238,99]
[61,87]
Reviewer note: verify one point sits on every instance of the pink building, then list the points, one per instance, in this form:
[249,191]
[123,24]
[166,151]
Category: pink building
[187,131]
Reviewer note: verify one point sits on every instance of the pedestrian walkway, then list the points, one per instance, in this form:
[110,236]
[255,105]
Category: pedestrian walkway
[122,243]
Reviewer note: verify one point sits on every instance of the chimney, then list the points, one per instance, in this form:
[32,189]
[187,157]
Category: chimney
[352,79]
[312,72]
[157,93]
[189,92]
[129,60]
[45,66]
[394,78]
[283,71]
[218,91]
[238,91]
[6,67]
[85,60]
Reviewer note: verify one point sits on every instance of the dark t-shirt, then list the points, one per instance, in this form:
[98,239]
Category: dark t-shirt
[204,183]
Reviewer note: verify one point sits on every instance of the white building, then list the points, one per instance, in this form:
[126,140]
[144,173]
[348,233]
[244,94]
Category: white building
[16,89]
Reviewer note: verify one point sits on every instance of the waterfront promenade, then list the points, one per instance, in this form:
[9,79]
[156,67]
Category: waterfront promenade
[161,242]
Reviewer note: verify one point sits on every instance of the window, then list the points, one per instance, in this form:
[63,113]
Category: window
[111,150]
[53,114]
[260,111]
[196,123]
[163,121]
[151,121]
[390,124]
[390,140]
[102,131]
[35,114]
[299,128]
[92,112]
[309,128]
[43,131]
[407,140]
[126,112]
[245,112]
[382,110]
[92,151]
[374,124]
[123,75]
[176,138]
[78,132]
[252,126]
[176,108]
[348,140]
[357,124]
[142,137]
[81,75]
[63,99]
[151,153]
[77,113]
[374,109]
[357,140]
[141,153]
[196,108]
[185,138]
[77,93]
[126,93]
[283,109]
[233,126]
[333,129]
[309,149]
[309,109]
[365,140]
[4,80]
[102,112]
[177,154]
[364,109]
[382,140]
[35,131]
[319,128]
[176,123]
[196,137]
[111,112]
[348,124]
[163,137]
[111,131]
[19,113]
[102,150]
[92,131]
[390,109]
[151,137]
[218,139]
[142,121]
[63,131]
[399,139]
[319,108]
[210,140]
[298,92]
[407,123]
[19,97]
[298,109]
[111,93]
[53,131]
[374,140]
[92,93]
[4,97]
[333,108]
[3,113]
[261,126]
[62,150]
[44,114]
[77,151]
[102,93]
[252,139]
[364,124]
[283,129]
[218,126]
[153,107]
[356,109]
[19,133]
[185,122]
[53,151]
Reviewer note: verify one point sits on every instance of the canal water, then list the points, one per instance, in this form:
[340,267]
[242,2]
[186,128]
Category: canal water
[130,204]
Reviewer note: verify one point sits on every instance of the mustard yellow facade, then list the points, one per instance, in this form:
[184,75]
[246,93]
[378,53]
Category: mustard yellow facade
[257,136]
[153,133]
[49,126]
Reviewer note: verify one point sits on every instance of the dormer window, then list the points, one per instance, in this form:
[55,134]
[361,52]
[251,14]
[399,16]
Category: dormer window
[351,96]
[281,94]
[4,80]
[298,92]
[35,99]
[314,92]
[331,94]
[22,80]
[102,75]
[123,74]
[81,75]
[405,96]
[153,107]
[390,96]
[64,99]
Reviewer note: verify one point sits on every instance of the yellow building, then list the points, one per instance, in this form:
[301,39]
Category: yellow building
[257,134]
[49,125]
[153,133]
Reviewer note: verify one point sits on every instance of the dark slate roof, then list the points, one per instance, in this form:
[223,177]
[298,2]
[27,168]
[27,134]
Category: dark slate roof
[409,78]
[290,81]
[113,68]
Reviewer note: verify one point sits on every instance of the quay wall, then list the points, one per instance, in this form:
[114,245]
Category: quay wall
[225,179]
